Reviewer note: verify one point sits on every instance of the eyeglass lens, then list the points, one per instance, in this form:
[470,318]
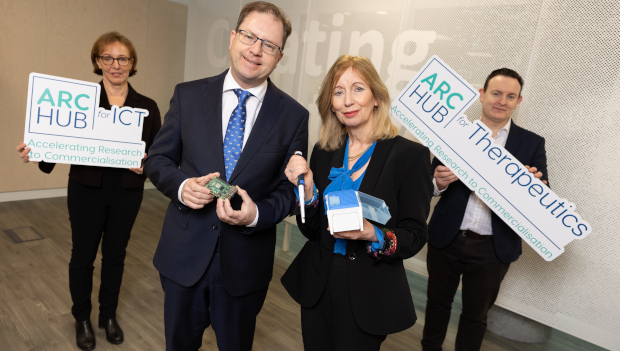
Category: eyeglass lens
[109,60]
[249,39]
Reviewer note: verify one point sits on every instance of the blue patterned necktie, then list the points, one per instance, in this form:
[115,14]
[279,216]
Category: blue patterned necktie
[234,133]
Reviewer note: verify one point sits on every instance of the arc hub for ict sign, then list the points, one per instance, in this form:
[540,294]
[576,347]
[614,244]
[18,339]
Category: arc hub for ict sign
[347,209]
[64,124]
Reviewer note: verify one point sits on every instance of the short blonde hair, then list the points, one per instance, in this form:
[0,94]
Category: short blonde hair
[332,131]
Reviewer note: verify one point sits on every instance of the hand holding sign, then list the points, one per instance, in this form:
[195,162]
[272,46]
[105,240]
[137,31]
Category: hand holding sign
[23,152]
[138,170]
[444,177]
[535,172]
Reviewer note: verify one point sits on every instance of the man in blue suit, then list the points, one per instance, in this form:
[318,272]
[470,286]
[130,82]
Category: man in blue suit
[465,237]
[215,258]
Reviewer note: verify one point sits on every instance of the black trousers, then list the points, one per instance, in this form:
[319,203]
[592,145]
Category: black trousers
[482,272]
[330,324]
[108,211]
[188,311]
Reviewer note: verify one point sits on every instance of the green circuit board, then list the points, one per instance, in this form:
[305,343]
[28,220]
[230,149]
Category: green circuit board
[221,189]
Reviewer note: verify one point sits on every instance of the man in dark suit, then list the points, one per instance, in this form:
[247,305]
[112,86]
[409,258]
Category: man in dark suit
[465,237]
[215,258]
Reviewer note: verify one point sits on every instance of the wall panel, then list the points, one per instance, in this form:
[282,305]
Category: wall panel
[572,97]
[55,37]
[23,49]
[163,66]
[207,43]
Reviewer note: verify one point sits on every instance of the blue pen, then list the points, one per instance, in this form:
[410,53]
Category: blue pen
[302,196]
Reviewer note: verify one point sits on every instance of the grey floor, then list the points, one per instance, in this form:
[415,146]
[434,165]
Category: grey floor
[35,302]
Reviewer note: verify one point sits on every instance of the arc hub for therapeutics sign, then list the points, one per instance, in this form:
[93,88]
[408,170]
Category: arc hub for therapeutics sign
[64,124]
[431,108]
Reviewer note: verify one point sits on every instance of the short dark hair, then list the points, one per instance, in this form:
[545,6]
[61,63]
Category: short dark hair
[110,38]
[265,7]
[507,72]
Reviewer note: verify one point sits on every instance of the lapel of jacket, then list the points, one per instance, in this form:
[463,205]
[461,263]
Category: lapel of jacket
[375,166]
[514,139]
[267,117]
[337,158]
[212,133]
[337,161]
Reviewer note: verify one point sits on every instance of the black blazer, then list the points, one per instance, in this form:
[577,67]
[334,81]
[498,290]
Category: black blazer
[529,149]
[190,144]
[380,296]
[91,175]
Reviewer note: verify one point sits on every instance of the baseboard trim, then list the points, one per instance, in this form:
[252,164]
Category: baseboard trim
[44,193]
[32,194]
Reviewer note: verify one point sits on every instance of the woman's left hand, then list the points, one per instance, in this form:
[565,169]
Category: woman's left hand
[140,170]
[367,234]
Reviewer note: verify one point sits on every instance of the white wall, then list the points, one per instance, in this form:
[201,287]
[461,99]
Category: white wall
[567,52]
[55,37]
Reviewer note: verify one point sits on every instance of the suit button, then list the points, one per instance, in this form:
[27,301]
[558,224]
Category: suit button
[214,227]
[352,256]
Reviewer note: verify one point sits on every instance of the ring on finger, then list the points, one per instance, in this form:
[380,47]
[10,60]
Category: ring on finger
[290,170]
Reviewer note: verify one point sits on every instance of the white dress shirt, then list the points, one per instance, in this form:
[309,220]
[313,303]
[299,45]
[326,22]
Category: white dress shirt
[478,216]
[229,103]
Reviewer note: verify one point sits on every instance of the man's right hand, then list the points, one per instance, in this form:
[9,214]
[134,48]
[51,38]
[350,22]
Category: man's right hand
[444,177]
[194,193]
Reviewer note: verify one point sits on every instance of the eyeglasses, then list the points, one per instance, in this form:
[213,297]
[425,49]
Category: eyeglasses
[249,39]
[109,60]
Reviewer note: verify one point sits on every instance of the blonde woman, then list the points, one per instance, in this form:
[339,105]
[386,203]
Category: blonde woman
[352,286]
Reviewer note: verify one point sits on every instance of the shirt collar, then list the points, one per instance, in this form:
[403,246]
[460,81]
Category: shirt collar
[230,83]
[506,127]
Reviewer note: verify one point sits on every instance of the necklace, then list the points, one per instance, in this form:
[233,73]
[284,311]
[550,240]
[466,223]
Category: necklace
[360,154]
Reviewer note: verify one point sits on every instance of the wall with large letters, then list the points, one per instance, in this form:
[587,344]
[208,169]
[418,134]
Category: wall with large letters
[567,51]
[55,37]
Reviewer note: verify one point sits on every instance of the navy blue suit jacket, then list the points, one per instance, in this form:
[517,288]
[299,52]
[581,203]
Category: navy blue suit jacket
[190,144]
[529,149]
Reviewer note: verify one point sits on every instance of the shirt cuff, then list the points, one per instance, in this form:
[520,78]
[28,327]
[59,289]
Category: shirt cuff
[381,244]
[181,190]
[315,194]
[436,191]
[253,224]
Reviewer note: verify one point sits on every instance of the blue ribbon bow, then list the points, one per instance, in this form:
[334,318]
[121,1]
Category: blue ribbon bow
[341,177]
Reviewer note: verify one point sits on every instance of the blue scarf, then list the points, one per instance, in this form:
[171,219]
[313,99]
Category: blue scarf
[341,180]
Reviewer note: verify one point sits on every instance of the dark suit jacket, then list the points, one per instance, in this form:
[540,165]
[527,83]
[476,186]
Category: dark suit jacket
[529,149]
[91,175]
[190,144]
[380,296]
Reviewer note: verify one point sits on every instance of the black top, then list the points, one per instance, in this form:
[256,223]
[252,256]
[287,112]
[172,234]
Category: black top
[380,297]
[91,175]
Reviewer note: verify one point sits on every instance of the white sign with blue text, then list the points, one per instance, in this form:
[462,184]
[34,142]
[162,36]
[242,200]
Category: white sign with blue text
[64,124]
[431,107]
